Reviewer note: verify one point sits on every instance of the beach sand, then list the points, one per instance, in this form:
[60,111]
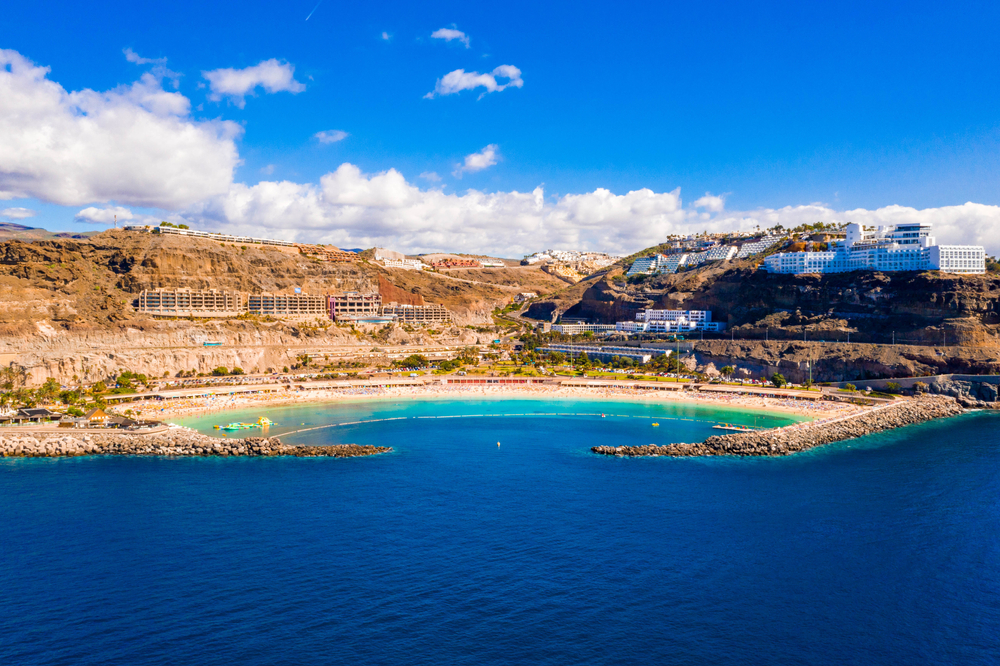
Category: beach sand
[164,410]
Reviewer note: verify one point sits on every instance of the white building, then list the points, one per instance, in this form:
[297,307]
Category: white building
[901,247]
[393,259]
[670,321]
[577,329]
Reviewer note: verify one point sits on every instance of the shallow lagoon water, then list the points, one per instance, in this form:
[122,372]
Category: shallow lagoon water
[883,550]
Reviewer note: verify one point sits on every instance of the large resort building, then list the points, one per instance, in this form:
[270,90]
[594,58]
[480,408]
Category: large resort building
[353,306]
[190,303]
[417,314]
[292,305]
[671,321]
[901,247]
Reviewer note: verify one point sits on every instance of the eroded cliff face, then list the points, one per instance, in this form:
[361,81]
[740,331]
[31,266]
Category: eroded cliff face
[839,362]
[869,307]
[156,348]
[66,305]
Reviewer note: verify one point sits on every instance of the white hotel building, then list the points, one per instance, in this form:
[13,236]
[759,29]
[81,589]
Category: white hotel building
[901,247]
[670,321]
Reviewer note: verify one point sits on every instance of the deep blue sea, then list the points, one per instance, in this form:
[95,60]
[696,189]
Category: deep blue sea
[451,550]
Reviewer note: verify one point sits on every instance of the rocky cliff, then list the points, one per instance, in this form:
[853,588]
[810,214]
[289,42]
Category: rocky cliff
[926,307]
[66,305]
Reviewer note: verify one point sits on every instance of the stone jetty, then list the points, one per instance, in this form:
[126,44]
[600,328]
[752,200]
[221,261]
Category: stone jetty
[173,442]
[800,437]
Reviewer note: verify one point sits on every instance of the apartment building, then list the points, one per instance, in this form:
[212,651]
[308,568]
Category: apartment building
[417,314]
[190,303]
[291,305]
[353,305]
[902,247]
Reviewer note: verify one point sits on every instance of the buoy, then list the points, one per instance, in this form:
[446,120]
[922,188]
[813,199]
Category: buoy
[498,445]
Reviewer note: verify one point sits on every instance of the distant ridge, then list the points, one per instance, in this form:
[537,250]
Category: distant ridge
[12,231]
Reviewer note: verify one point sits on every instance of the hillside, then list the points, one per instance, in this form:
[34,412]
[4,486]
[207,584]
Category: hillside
[66,304]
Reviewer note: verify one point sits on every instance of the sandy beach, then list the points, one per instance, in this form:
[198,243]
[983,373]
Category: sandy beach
[165,410]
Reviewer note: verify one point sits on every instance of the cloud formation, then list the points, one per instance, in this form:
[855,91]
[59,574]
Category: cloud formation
[711,203]
[106,215]
[132,56]
[17,213]
[272,75]
[331,136]
[351,209]
[348,208]
[449,34]
[459,80]
[136,144]
[485,158]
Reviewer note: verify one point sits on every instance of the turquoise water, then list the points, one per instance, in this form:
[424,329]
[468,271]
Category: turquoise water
[387,421]
[882,550]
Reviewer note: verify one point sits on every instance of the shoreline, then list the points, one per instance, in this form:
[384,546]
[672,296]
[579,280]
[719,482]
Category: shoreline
[191,407]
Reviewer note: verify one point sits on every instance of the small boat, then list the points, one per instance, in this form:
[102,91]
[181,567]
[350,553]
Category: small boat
[733,428]
[656,425]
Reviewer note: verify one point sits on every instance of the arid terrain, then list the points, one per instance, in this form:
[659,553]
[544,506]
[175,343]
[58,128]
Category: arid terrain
[66,305]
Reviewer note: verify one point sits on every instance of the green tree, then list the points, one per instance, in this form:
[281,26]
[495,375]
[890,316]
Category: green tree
[13,376]
[236,371]
[221,371]
[98,388]
[894,387]
[727,371]
[48,391]
[778,380]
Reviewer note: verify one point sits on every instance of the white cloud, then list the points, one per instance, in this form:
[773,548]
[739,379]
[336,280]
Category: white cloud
[449,34]
[17,213]
[485,158]
[967,224]
[273,75]
[430,176]
[351,209]
[136,144]
[386,36]
[459,80]
[132,56]
[331,136]
[105,215]
[267,170]
[711,203]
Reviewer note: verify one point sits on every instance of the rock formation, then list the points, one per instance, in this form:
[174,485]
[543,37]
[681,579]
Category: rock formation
[793,439]
[174,442]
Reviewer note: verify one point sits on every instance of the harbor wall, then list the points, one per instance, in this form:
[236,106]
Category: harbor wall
[801,437]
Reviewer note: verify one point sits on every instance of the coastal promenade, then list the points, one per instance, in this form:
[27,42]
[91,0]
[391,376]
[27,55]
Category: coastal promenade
[802,436]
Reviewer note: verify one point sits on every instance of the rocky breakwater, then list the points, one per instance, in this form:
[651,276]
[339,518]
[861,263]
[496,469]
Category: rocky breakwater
[793,439]
[175,442]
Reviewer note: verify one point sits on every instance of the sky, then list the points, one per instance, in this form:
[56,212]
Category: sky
[468,127]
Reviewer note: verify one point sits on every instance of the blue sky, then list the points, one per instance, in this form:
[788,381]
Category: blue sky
[782,111]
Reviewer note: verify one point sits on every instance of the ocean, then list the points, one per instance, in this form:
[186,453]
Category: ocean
[450,549]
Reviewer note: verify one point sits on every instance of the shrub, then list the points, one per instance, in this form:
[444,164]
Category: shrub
[893,387]
[920,387]
[220,371]
[850,387]
[236,371]
[778,380]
